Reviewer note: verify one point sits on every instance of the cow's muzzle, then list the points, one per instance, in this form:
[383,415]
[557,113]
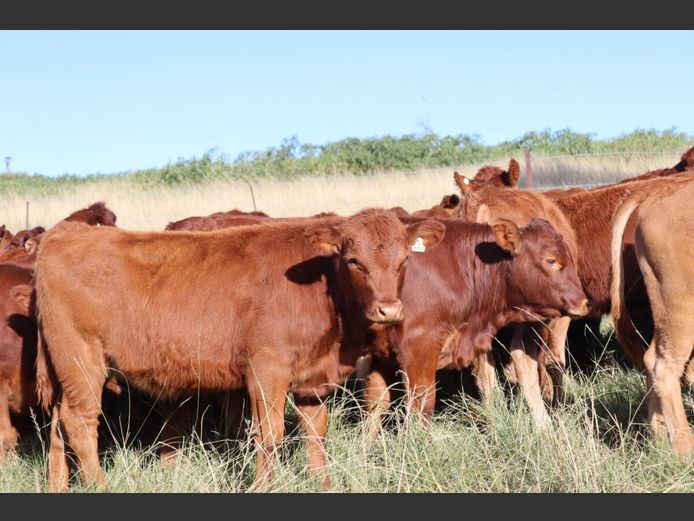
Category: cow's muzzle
[579,310]
[386,312]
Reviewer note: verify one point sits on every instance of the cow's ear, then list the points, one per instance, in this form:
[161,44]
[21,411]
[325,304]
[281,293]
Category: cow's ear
[426,233]
[450,201]
[507,236]
[31,245]
[512,175]
[22,296]
[463,183]
[324,238]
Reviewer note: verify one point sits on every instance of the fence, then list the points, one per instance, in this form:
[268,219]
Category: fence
[153,208]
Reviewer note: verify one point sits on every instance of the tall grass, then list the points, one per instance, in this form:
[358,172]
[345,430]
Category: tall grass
[151,208]
[597,443]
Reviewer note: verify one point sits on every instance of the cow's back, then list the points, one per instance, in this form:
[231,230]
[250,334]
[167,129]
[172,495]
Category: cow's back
[218,294]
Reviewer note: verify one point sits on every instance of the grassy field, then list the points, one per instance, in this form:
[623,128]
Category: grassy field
[597,443]
[151,208]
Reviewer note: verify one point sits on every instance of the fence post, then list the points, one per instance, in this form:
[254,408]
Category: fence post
[529,169]
[252,197]
[27,217]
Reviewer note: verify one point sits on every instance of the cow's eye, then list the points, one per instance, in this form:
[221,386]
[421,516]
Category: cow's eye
[356,264]
[551,262]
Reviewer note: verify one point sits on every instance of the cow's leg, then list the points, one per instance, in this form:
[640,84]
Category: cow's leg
[8,434]
[58,471]
[376,394]
[419,368]
[546,384]
[313,420]
[674,342]
[669,292]
[234,412]
[79,415]
[556,361]
[484,371]
[268,395]
[655,414]
[524,352]
[378,387]
[178,419]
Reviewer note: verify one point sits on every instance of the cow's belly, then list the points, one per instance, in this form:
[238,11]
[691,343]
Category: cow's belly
[172,370]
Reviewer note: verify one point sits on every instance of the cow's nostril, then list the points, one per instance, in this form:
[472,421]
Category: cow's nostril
[389,311]
[581,309]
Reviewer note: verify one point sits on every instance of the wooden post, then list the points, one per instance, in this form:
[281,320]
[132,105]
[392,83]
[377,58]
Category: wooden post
[252,197]
[528,169]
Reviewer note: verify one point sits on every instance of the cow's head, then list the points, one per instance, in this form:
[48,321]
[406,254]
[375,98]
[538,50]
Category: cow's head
[450,202]
[5,237]
[490,176]
[542,278]
[20,245]
[96,214]
[371,249]
[487,177]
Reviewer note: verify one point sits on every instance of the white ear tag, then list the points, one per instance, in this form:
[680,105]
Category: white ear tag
[466,181]
[419,245]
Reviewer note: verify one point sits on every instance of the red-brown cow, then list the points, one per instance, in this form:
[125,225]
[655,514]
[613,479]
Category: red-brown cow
[448,207]
[485,203]
[17,353]
[292,320]
[456,297]
[218,220]
[591,214]
[664,248]
[18,327]
[5,237]
[17,248]
[686,164]
[495,176]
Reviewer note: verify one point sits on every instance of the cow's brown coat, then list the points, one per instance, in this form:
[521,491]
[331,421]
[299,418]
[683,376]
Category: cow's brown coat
[295,320]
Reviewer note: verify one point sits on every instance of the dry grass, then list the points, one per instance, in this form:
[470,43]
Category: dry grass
[152,209]
[597,443]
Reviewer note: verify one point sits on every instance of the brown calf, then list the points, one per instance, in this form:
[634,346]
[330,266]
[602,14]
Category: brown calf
[254,307]
[487,202]
[18,327]
[5,237]
[590,213]
[448,207]
[664,248]
[456,297]
[218,220]
[17,353]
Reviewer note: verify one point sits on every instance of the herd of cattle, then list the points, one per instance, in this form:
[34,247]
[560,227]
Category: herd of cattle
[258,307]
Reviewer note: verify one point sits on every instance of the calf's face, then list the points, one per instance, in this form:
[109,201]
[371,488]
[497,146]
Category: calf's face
[543,278]
[372,248]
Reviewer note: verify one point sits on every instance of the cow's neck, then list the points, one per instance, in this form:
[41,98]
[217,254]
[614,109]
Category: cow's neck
[351,324]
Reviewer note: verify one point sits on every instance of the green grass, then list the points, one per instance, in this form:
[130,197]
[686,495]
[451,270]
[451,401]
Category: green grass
[598,443]
[292,159]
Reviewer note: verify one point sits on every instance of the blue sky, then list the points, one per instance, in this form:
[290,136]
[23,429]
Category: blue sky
[109,101]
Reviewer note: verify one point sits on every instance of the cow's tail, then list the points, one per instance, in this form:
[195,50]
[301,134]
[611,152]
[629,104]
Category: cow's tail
[626,333]
[45,377]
